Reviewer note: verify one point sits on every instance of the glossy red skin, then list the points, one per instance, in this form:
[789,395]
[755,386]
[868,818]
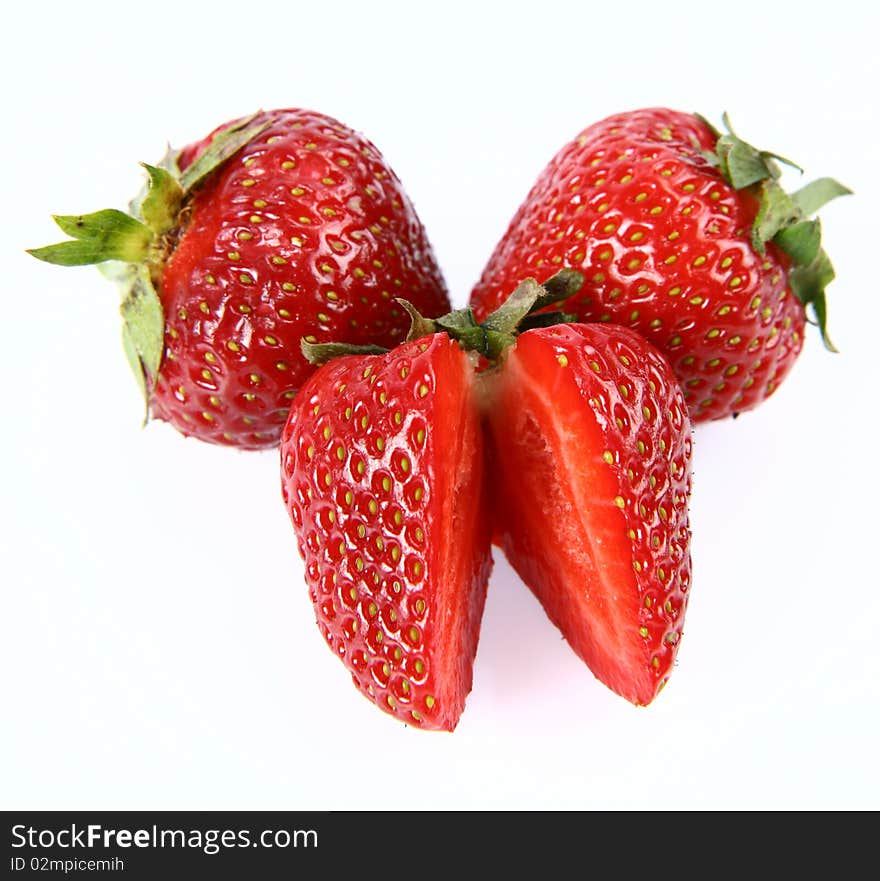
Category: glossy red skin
[270,253]
[664,243]
[397,570]
[590,452]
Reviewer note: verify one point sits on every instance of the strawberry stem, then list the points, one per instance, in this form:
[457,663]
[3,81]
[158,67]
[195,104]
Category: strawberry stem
[491,338]
[500,329]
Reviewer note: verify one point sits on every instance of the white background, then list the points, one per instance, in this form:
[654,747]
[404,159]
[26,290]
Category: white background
[159,648]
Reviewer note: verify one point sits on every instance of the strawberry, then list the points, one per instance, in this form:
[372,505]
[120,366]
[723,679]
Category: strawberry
[590,450]
[382,475]
[685,235]
[282,226]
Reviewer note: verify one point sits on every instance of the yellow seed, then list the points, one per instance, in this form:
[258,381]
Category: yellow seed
[619,501]
[562,360]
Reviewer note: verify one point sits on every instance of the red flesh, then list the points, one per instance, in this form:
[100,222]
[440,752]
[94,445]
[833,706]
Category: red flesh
[397,552]
[605,548]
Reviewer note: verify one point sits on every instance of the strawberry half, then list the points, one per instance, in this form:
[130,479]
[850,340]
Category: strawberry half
[383,478]
[590,452]
[282,226]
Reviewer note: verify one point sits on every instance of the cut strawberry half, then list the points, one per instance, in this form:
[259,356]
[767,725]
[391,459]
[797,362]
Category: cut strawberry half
[383,477]
[590,450]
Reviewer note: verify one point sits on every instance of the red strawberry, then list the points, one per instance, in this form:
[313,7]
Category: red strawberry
[282,226]
[591,454]
[382,474]
[684,235]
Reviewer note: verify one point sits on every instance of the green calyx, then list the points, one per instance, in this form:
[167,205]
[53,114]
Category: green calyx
[490,338]
[782,218]
[132,248]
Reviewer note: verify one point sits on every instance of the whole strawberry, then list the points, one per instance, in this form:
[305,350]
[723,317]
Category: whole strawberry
[283,226]
[684,235]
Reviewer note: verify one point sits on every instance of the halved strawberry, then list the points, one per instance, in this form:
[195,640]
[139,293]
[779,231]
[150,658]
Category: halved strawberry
[590,451]
[383,477]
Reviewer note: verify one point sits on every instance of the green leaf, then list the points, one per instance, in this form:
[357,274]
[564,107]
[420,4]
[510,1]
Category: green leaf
[776,210]
[68,253]
[813,196]
[564,284]
[104,235]
[419,325]
[137,368]
[808,284]
[801,241]
[320,353]
[144,320]
[506,318]
[161,205]
[225,144]
[744,165]
[143,328]
[458,321]
[821,315]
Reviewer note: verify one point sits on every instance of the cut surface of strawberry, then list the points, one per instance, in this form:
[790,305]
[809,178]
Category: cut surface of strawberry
[590,451]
